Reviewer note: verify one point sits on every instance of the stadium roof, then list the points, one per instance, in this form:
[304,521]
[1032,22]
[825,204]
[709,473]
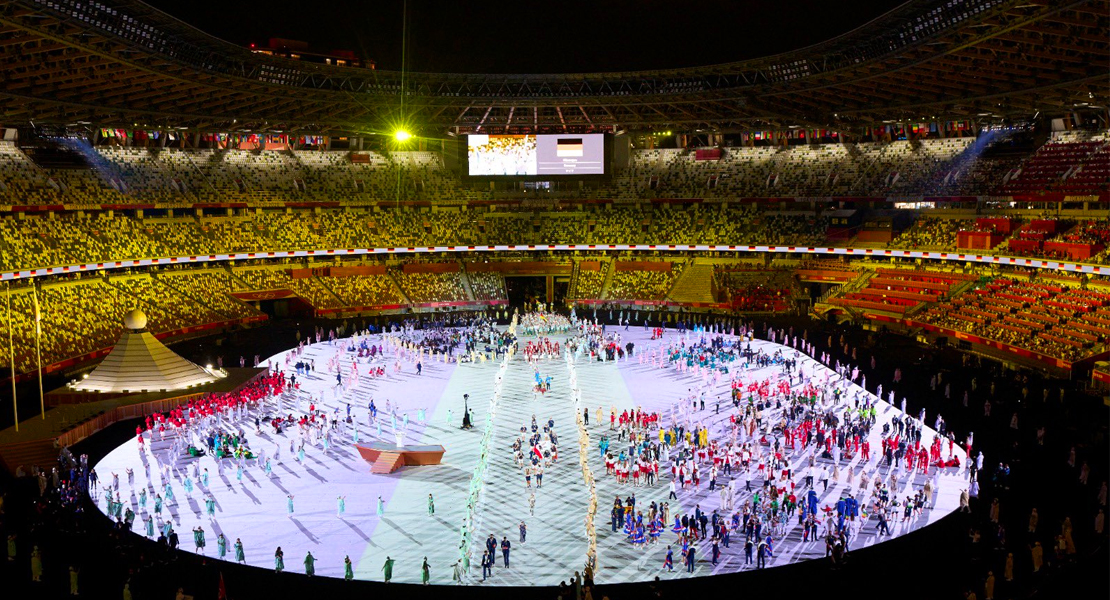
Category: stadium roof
[122,63]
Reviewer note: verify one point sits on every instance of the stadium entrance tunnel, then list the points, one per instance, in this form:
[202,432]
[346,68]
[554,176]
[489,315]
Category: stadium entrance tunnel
[523,289]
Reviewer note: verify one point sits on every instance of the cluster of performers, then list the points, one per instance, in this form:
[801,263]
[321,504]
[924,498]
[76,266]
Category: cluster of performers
[541,348]
[536,450]
[203,420]
[790,432]
[543,385]
[542,323]
[594,341]
[637,460]
[211,410]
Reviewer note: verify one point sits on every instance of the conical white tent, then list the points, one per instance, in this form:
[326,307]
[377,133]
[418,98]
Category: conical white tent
[140,363]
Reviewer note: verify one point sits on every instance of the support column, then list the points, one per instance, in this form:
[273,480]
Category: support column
[38,347]
[11,356]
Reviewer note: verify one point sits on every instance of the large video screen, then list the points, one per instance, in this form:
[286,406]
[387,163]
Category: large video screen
[509,155]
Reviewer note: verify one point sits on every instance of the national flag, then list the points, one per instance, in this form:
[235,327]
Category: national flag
[568,147]
[221,591]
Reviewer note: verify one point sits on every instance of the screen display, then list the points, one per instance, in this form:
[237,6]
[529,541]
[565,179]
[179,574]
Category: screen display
[571,154]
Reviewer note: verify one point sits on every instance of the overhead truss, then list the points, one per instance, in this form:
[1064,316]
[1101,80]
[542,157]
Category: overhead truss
[122,63]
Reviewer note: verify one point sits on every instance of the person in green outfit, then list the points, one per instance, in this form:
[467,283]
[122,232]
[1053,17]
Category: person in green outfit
[431,505]
[221,546]
[74,575]
[279,560]
[240,557]
[348,569]
[198,538]
[425,572]
[36,564]
[309,564]
[387,568]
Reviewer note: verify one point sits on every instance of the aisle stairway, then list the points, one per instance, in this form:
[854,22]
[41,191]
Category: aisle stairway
[695,284]
[322,283]
[397,286]
[610,267]
[465,278]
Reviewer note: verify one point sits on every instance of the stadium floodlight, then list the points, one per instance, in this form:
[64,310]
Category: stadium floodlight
[401,135]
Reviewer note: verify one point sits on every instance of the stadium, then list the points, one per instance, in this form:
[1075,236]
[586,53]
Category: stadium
[833,320]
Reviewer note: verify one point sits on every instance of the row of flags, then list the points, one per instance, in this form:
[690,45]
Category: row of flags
[790,134]
[894,130]
[138,134]
[925,128]
[250,138]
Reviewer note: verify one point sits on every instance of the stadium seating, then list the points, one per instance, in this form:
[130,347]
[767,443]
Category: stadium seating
[643,285]
[432,287]
[1058,321]
[797,170]
[83,316]
[930,233]
[364,291]
[901,291]
[487,286]
[1073,163]
[121,175]
[588,283]
[319,200]
[754,289]
[271,278]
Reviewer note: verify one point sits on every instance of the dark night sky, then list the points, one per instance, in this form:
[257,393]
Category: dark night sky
[494,36]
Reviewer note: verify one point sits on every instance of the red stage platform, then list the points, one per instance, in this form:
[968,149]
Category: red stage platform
[387,458]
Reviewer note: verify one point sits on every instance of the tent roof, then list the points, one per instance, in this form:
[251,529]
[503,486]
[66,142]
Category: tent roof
[139,362]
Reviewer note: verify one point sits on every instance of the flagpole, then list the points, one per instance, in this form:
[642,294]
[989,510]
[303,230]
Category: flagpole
[11,355]
[38,347]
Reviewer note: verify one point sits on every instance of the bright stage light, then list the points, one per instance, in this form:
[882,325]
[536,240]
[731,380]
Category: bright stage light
[401,135]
